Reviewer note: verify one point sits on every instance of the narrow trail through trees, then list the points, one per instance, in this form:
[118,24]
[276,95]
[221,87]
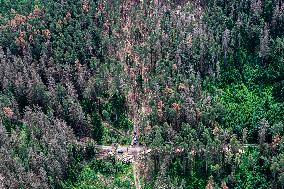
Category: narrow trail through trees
[136,175]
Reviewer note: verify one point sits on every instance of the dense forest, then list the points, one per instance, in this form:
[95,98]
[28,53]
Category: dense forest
[199,82]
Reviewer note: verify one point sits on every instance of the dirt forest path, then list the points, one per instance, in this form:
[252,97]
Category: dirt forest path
[136,175]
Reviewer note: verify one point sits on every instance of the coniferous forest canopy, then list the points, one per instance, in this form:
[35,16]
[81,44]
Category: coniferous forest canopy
[200,83]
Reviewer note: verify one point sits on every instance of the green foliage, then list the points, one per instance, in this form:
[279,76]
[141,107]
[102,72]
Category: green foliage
[117,111]
[102,174]
[202,80]
[244,108]
[250,172]
[22,6]
[97,127]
